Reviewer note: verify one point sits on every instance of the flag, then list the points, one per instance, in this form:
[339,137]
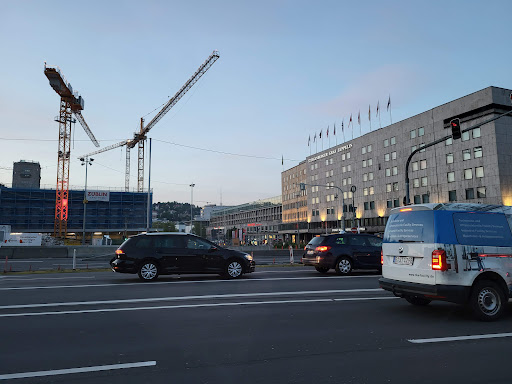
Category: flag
[342,126]
[282,160]
[377,114]
[359,118]
[369,112]
[320,134]
[389,103]
[327,131]
[334,131]
[314,138]
[309,140]
[350,121]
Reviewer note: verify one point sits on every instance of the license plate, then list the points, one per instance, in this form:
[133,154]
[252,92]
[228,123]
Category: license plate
[403,260]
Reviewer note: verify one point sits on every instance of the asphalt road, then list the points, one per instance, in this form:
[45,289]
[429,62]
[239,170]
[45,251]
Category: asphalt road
[277,325]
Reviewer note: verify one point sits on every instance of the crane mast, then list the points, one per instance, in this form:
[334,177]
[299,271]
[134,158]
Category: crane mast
[140,137]
[70,103]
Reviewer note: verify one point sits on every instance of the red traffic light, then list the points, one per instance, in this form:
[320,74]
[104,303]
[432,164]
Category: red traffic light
[456,132]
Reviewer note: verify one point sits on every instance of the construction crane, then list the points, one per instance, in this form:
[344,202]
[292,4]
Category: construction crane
[140,137]
[70,103]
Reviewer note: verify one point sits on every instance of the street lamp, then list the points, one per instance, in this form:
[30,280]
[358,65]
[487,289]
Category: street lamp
[191,202]
[85,161]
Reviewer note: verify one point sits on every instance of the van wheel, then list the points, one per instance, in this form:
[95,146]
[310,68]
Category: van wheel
[487,300]
[415,300]
[148,270]
[322,269]
[343,266]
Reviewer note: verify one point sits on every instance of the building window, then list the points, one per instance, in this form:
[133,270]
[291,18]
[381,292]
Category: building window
[372,190]
[423,164]
[421,131]
[425,198]
[477,152]
[363,150]
[466,154]
[327,174]
[393,140]
[481,192]
[389,204]
[413,134]
[365,177]
[395,186]
[369,148]
[364,163]
[464,136]
[424,181]
[386,157]
[365,205]
[386,143]
[393,155]
[344,181]
[479,171]
[422,145]
[365,192]
[449,158]
[370,162]
[396,203]
[470,193]
[451,177]
[417,199]
[476,133]
[372,204]
[415,166]
[416,183]
[395,171]
[349,180]
[349,168]
[452,195]
[468,174]
[370,176]
[388,187]
[449,141]
[413,148]
[388,172]
[342,156]
[343,169]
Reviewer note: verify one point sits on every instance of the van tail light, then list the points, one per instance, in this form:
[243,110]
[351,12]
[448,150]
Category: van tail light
[322,248]
[381,258]
[120,254]
[439,260]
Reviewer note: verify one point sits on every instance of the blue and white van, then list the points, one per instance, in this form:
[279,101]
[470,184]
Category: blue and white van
[461,253]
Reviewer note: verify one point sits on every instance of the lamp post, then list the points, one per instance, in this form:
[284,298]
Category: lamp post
[298,234]
[85,161]
[191,202]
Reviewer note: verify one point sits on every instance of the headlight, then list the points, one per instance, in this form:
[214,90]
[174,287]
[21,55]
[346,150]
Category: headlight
[248,257]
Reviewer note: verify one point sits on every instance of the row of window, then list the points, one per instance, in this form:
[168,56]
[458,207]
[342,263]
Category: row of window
[388,142]
[476,133]
[391,171]
[422,164]
[466,155]
[368,191]
[416,182]
[390,156]
[368,176]
[366,149]
[468,174]
[481,192]
[419,132]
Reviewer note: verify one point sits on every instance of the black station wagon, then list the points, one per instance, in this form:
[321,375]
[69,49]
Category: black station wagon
[153,254]
[343,252]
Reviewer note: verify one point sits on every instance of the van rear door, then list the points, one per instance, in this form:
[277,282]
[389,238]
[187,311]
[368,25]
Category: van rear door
[408,244]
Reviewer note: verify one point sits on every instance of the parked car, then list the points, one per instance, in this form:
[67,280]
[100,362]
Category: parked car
[452,252]
[343,252]
[153,254]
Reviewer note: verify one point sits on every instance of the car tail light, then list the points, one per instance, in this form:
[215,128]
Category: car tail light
[120,254]
[381,258]
[439,260]
[322,248]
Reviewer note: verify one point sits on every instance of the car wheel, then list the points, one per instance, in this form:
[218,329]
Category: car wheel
[487,300]
[148,270]
[344,266]
[322,269]
[416,300]
[234,269]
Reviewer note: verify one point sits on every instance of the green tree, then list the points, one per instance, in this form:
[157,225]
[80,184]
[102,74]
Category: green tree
[165,227]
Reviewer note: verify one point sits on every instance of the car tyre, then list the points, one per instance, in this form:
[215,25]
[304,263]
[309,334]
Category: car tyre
[322,269]
[416,300]
[343,266]
[488,300]
[148,270]
[234,269]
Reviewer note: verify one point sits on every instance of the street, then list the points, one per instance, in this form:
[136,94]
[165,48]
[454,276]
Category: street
[277,325]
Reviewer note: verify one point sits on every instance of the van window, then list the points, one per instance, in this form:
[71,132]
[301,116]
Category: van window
[482,229]
[413,226]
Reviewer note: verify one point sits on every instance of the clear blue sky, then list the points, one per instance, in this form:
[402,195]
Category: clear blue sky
[287,70]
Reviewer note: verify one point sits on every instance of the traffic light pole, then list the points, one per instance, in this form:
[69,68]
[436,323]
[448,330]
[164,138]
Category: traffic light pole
[407,196]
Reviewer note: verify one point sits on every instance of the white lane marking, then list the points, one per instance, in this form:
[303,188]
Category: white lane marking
[20,278]
[97,368]
[120,284]
[24,261]
[192,306]
[205,297]
[459,338]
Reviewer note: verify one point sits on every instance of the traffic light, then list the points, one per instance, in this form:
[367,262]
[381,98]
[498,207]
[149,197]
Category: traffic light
[455,124]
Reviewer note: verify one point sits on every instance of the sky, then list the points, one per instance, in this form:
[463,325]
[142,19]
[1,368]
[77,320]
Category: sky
[287,70]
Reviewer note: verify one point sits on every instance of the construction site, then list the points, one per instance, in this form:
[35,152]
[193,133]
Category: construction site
[76,215]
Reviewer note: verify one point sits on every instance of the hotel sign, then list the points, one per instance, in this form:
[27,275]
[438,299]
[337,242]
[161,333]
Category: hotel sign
[333,152]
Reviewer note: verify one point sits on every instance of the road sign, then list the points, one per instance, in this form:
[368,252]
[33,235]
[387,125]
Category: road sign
[353,229]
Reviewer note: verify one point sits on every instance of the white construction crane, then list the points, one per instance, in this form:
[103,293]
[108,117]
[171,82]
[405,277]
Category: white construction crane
[140,137]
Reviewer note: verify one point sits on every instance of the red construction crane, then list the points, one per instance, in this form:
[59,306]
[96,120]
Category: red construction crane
[70,103]
[140,137]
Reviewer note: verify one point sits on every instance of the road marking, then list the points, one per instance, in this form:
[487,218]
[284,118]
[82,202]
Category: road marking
[97,368]
[204,297]
[193,306]
[24,261]
[179,282]
[459,338]
[21,278]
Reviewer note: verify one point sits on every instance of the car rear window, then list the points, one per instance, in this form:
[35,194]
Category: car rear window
[316,241]
[410,227]
[482,229]
[374,241]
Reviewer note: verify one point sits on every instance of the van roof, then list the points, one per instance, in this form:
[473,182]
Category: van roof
[458,207]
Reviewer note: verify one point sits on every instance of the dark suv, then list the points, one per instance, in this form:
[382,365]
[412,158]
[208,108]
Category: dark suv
[152,254]
[343,252]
